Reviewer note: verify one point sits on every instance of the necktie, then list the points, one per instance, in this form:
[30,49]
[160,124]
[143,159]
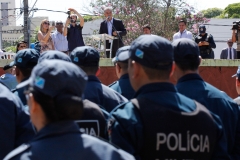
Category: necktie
[230,53]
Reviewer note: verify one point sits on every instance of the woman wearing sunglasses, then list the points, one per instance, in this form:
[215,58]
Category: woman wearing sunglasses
[21,45]
[44,36]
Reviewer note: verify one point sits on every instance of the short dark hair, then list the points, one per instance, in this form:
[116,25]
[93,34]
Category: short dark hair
[89,70]
[157,73]
[26,72]
[189,64]
[182,21]
[123,65]
[18,44]
[146,26]
[62,107]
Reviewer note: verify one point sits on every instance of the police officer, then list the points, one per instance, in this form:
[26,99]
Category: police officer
[190,84]
[87,58]
[206,43]
[24,61]
[93,120]
[15,123]
[160,123]
[55,101]
[8,79]
[123,85]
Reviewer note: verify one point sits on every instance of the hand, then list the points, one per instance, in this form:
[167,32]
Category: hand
[51,28]
[115,33]
[72,10]
[205,43]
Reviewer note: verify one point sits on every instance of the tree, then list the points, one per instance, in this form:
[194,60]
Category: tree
[159,14]
[232,10]
[212,12]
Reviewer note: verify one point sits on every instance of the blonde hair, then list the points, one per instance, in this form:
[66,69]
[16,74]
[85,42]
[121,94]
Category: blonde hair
[41,25]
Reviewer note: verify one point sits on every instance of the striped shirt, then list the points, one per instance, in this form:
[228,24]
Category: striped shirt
[60,41]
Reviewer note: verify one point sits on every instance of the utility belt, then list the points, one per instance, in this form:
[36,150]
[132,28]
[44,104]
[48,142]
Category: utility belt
[206,51]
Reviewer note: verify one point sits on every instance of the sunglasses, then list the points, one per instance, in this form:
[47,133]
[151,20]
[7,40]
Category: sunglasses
[46,23]
[22,46]
[230,42]
[59,23]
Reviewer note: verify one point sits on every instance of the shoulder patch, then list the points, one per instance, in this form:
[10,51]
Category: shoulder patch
[17,151]
[112,84]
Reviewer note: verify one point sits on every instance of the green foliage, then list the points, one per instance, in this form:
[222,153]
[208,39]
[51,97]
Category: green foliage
[90,18]
[212,12]
[11,49]
[233,10]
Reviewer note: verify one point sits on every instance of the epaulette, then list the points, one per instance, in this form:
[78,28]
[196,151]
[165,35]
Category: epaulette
[112,84]
[14,90]
[17,151]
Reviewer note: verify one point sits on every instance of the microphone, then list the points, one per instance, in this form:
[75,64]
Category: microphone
[108,18]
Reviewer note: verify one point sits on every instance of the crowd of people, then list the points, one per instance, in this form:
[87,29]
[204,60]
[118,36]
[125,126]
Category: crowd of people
[57,108]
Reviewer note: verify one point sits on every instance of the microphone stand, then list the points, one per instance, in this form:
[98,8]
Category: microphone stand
[116,31]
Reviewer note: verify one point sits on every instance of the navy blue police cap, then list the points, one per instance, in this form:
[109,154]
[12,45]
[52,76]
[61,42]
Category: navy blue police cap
[85,56]
[122,54]
[53,54]
[202,29]
[57,77]
[238,73]
[26,58]
[152,51]
[185,51]
[8,66]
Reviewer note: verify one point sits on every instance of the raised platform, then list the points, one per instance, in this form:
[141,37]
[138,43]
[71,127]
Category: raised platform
[216,72]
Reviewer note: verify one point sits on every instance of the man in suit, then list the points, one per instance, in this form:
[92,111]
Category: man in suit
[230,52]
[113,27]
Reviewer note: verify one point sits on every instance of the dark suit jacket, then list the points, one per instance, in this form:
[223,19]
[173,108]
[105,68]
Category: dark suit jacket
[224,53]
[118,24]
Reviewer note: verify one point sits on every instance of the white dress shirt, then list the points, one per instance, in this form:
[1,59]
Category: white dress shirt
[60,41]
[184,34]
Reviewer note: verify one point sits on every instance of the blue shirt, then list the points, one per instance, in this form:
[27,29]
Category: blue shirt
[193,86]
[62,140]
[15,123]
[60,41]
[102,95]
[126,128]
[123,87]
[74,37]
[9,80]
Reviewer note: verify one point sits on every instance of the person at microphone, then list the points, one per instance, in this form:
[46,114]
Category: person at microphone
[73,31]
[113,27]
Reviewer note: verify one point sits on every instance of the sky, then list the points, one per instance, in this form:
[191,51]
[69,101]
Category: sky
[81,5]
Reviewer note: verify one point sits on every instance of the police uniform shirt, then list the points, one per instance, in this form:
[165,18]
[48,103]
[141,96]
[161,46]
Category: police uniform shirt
[218,103]
[15,123]
[126,125]
[62,140]
[206,37]
[93,121]
[123,86]
[102,95]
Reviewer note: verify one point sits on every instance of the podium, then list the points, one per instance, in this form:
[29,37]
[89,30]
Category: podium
[101,39]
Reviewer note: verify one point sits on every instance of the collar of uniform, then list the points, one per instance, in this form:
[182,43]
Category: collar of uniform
[57,128]
[188,77]
[93,78]
[125,76]
[156,87]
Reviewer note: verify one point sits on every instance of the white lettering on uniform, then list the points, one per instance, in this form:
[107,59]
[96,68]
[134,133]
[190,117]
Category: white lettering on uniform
[195,142]
[90,131]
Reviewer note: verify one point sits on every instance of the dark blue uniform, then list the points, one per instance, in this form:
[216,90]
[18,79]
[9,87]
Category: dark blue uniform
[102,95]
[93,121]
[62,141]
[145,133]
[123,87]
[20,93]
[15,123]
[206,51]
[218,103]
